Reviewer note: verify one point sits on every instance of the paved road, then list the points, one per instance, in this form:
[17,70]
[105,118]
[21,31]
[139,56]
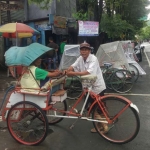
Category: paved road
[80,137]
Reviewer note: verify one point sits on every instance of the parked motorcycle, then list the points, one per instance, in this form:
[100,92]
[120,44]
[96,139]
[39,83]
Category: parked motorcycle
[138,51]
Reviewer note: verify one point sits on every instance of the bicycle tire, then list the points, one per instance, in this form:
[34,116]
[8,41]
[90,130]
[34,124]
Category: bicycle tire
[107,77]
[122,81]
[27,123]
[74,87]
[134,71]
[54,120]
[5,98]
[125,128]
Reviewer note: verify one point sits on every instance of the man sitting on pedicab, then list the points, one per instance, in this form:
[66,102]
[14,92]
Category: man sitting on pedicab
[34,77]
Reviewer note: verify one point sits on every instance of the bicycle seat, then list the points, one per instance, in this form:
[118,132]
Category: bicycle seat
[89,77]
[88,80]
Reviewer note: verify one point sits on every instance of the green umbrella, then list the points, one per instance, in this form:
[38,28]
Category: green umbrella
[24,55]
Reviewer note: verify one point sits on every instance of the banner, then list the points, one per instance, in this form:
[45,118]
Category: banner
[60,22]
[42,25]
[88,28]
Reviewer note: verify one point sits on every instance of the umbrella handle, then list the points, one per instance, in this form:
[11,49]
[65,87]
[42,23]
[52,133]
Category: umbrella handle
[16,39]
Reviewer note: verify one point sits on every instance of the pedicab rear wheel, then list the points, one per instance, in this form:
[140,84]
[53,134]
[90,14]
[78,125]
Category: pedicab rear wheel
[27,123]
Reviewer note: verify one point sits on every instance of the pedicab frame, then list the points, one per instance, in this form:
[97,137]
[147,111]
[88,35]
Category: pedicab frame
[28,123]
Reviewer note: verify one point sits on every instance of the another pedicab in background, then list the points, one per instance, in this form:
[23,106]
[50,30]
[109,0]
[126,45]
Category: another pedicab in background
[73,84]
[119,75]
[132,57]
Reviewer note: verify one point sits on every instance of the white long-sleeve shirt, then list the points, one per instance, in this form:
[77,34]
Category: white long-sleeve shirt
[91,65]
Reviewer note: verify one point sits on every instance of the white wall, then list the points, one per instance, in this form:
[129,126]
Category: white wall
[65,8]
[34,12]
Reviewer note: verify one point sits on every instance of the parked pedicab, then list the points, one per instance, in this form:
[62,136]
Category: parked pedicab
[73,84]
[119,74]
[28,112]
[132,58]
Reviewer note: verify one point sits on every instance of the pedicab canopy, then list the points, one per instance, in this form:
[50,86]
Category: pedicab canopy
[71,53]
[24,56]
[112,53]
[129,51]
[131,56]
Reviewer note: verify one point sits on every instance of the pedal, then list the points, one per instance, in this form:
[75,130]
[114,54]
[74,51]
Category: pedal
[72,126]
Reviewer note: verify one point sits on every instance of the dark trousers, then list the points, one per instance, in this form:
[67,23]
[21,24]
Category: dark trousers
[90,99]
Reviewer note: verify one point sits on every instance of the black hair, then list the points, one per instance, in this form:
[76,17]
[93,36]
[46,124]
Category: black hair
[51,38]
[64,39]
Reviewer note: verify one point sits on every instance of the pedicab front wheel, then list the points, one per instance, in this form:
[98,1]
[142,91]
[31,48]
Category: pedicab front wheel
[125,120]
[27,123]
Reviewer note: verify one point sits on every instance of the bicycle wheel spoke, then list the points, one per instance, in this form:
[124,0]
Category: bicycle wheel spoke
[74,87]
[122,81]
[134,71]
[61,107]
[27,123]
[107,77]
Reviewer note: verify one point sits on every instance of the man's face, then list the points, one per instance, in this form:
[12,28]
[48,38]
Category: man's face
[85,52]
[37,63]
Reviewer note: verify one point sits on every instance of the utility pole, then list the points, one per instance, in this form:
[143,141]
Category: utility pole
[0,18]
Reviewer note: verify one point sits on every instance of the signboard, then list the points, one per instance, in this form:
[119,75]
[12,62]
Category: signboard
[59,22]
[88,28]
[42,25]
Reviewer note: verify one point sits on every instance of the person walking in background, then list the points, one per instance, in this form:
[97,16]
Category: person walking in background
[52,54]
[62,46]
[86,64]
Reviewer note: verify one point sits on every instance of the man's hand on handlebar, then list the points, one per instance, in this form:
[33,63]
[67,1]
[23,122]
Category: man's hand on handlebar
[70,73]
[58,72]
[55,73]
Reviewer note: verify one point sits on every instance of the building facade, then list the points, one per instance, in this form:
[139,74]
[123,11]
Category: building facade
[47,21]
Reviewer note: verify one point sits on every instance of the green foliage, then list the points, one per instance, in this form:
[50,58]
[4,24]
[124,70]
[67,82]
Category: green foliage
[85,9]
[129,10]
[115,27]
[80,16]
[43,4]
[144,33]
[120,18]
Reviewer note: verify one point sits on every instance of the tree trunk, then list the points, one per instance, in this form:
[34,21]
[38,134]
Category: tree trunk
[8,14]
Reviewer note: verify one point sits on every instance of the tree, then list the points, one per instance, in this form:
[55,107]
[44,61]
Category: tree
[43,4]
[144,33]
[115,27]
[116,17]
